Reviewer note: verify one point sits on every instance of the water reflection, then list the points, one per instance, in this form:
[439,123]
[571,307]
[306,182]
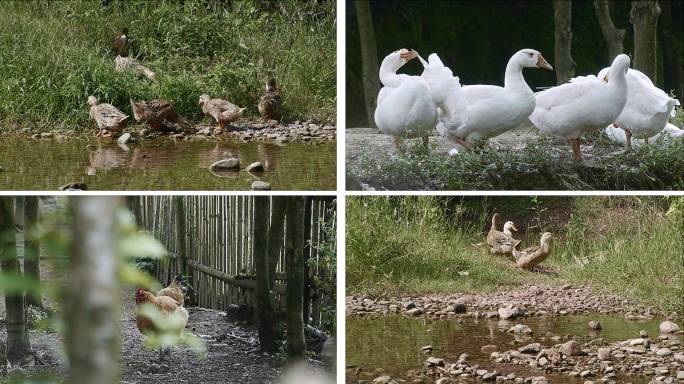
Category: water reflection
[162,164]
[392,344]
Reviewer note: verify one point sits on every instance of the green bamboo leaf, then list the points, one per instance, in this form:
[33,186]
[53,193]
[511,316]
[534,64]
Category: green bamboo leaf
[142,245]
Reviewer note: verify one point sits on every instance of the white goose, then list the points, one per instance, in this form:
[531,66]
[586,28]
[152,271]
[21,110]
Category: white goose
[405,105]
[584,105]
[619,135]
[446,92]
[647,110]
[512,103]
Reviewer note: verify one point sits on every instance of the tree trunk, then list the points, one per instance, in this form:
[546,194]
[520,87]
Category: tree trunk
[294,260]
[91,303]
[181,233]
[671,65]
[133,205]
[564,64]
[18,347]
[369,60]
[614,36]
[268,324]
[275,235]
[306,293]
[644,18]
[19,211]
[32,248]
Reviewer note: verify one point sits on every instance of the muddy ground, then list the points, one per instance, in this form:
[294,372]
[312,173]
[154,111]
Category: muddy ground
[231,347]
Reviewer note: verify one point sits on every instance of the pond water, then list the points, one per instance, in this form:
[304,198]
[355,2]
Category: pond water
[161,164]
[391,345]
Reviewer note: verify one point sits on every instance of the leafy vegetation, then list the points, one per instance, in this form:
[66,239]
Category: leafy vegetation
[626,245]
[327,262]
[55,54]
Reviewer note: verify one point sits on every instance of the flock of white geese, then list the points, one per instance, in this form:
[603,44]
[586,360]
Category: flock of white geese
[621,100]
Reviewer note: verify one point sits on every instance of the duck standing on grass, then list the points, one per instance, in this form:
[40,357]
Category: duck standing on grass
[107,116]
[269,103]
[154,112]
[121,42]
[223,111]
[528,258]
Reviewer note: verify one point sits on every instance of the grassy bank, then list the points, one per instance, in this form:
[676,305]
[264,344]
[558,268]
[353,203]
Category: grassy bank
[419,244]
[54,54]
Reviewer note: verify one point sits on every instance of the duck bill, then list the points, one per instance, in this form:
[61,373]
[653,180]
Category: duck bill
[407,55]
[514,228]
[541,63]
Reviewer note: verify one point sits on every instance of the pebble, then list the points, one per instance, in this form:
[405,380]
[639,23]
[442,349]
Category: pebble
[258,185]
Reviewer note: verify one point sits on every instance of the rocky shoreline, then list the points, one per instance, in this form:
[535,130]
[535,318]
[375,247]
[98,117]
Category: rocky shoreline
[309,131]
[658,358]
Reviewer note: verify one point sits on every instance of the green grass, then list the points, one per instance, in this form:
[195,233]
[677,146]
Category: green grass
[397,245]
[55,54]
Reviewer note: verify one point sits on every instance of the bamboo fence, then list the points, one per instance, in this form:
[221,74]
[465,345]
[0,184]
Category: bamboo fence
[216,233]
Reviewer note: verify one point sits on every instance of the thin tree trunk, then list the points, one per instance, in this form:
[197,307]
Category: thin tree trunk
[644,18]
[181,233]
[32,248]
[564,64]
[133,205]
[91,303]
[268,324]
[294,247]
[614,36]
[306,293]
[19,211]
[275,235]
[369,60]
[18,346]
[673,79]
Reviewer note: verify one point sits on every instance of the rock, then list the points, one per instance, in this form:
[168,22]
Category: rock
[538,380]
[434,361]
[636,342]
[412,312]
[571,348]
[668,327]
[510,312]
[680,375]
[460,308]
[259,185]
[46,135]
[382,380]
[595,325]
[488,349]
[542,361]
[0,169]
[643,333]
[76,186]
[409,305]
[662,352]
[125,138]
[521,329]
[255,167]
[530,348]
[481,372]
[427,348]
[225,164]
[604,354]
[586,373]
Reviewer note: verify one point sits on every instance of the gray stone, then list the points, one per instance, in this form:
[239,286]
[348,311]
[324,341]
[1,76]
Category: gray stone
[530,348]
[226,164]
[604,354]
[415,312]
[489,348]
[259,185]
[382,380]
[643,333]
[409,305]
[538,380]
[663,352]
[595,325]
[521,329]
[571,348]
[636,342]
[435,361]
[542,361]
[668,327]
[125,138]
[255,167]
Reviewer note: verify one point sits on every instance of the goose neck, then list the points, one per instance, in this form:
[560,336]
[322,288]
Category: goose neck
[514,78]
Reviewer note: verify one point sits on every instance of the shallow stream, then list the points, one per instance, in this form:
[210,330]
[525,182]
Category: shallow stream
[161,164]
[391,345]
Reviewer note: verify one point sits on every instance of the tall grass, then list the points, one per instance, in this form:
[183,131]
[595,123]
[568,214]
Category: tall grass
[398,245]
[54,54]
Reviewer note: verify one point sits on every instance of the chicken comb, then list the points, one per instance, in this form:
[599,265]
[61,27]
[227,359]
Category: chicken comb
[140,290]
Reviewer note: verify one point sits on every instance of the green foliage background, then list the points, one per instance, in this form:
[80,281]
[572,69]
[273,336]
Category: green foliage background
[54,54]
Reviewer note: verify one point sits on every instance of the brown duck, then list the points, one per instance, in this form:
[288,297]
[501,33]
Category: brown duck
[528,258]
[107,116]
[500,242]
[121,42]
[269,103]
[223,111]
[154,112]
